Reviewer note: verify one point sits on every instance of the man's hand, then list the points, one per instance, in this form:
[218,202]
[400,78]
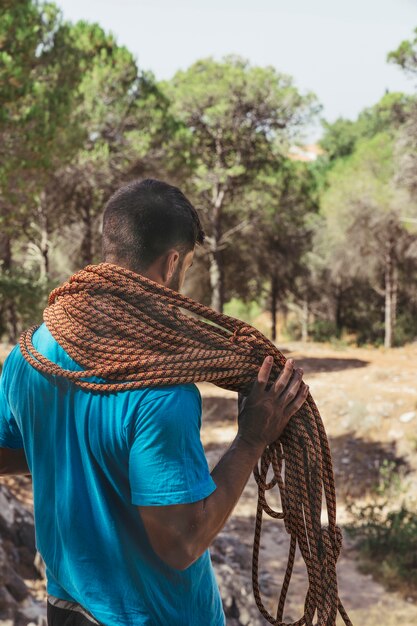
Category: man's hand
[263,415]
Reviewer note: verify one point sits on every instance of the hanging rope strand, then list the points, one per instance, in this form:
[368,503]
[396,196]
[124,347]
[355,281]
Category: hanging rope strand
[128,330]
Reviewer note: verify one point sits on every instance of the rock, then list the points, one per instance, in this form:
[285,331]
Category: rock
[33,613]
[7,601]
[407,417]
[230,557]
[17,555]
[244,616]
[15,585]
[394,433]
[39,564]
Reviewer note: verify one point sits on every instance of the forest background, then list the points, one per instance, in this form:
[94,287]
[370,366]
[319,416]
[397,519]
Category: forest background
[327,247]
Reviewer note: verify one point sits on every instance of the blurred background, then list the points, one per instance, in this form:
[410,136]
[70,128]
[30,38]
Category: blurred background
[292,127]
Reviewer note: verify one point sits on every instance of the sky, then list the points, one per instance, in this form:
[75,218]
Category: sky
[335,48]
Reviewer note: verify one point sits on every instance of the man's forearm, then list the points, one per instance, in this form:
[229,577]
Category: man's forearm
[230,475]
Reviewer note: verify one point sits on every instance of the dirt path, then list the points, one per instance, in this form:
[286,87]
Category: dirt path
[368,401]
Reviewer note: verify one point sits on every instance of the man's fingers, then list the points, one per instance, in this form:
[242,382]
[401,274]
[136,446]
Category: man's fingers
[293,388]
[264,372]
[284,377]
[298,401]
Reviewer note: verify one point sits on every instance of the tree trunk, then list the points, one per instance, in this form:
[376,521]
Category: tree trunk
[274,298]
[338,312]
[6,263]
[216,261]
[5,252]
[8,311]
[87,240]
[216,282]
[390,295]
[394,301]
[44,243]
[304,321]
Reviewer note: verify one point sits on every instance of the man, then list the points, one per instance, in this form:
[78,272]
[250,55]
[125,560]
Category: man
[125,505]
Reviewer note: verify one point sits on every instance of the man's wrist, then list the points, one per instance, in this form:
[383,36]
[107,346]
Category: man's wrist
[256,448]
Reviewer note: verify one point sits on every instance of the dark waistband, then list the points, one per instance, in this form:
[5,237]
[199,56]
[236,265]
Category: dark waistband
[71,606]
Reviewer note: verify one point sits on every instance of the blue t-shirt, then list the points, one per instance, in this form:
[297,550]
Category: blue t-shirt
[93,456]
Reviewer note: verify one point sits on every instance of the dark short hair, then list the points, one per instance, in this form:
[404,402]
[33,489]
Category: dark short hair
[144,219]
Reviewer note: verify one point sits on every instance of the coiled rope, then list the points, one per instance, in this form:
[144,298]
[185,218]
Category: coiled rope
[129,331]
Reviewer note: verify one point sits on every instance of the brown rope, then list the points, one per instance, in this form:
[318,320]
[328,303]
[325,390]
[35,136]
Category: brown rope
[129,331]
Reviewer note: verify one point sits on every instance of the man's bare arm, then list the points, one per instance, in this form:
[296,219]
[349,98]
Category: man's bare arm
[180,533]
[13,461]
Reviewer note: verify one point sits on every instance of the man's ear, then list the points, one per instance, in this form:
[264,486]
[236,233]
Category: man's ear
[170,264]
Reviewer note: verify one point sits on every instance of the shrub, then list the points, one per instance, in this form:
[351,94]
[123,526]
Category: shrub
[387,539]
[323,330]
[22,300]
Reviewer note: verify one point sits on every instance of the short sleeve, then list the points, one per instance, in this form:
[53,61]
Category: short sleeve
[10,436]
[167,464]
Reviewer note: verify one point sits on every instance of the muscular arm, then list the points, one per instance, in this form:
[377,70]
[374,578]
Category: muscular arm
[179,534]
[13,461]
[182,532]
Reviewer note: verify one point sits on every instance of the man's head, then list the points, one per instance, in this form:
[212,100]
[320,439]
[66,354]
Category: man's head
[151,228]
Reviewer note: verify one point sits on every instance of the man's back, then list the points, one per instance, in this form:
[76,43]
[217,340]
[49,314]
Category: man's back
[94,456]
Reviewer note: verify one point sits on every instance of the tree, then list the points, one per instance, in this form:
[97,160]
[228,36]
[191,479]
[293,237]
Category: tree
[40,68]
[38,73]
[406,148]
[239,120]
[406,55]
[118,113]
[366,237]
[77,117]
[341,137]
[279,205]
[124,120]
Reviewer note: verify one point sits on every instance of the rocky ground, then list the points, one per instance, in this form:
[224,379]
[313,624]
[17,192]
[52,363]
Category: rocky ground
[368,401]
[22,601]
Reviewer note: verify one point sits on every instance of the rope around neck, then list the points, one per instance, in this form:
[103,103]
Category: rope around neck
[129,331]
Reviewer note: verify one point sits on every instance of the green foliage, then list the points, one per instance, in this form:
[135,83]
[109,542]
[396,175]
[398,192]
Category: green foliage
[388,544]
[20,30]
[292,329]
[359,184]
[385,116]
[362,209]
[72,125]
[406,327]
[406,55]
[246,311]
[387,536]
[39,73]
[368,168]
[78,117]
[237,121]
[340,138]
[323,330]
[236,114]
[26,294]
[279,204]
